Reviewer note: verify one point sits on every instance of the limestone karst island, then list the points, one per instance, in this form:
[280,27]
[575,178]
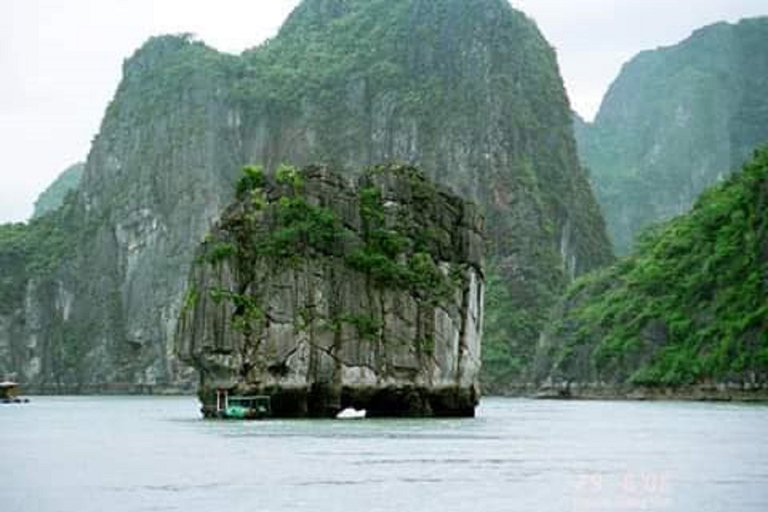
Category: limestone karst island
[415,181]
[323,295]
[384,255]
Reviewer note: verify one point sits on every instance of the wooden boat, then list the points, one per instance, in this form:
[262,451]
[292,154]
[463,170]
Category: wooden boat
[9,393]
[246,407]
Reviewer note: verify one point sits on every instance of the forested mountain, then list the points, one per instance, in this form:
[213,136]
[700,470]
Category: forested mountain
[688,310]
[469,91]
[675,121]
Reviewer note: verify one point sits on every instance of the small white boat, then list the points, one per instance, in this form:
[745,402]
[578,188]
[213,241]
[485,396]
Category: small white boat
[351,414]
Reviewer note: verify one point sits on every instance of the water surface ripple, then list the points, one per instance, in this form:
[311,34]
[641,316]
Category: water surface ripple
[115,454]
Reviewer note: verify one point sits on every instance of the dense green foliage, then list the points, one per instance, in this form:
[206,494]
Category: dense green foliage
[53,196]
[690,305]
[317,51]
[251,181]
[304,229]
[164,70]
[467,89]
[300,229]
[14,247]
[507,353]
[35,249]
[398,255]
[391,255]
[296,228]
[424,64]
[278,220]
[674,121]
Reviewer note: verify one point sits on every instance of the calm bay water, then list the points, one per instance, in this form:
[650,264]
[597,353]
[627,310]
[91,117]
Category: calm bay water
[156,454]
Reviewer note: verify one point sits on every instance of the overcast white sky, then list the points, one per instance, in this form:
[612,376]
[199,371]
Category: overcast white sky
[60,61]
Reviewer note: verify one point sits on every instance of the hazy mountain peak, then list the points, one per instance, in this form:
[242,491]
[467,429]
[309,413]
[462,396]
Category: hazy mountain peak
[675,121]
[53,196]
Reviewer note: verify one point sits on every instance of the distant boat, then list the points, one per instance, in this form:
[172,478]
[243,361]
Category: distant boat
[9,393]
[351,414]
[244,407]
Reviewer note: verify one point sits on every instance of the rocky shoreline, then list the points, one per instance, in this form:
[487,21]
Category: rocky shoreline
[719,392]
[110,389]
[724,393]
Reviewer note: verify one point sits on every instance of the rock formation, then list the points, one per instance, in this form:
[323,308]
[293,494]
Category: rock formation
[675,121]
[469,91]
[325,295]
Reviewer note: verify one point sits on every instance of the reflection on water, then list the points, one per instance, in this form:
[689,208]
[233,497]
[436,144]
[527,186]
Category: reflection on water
[135,454]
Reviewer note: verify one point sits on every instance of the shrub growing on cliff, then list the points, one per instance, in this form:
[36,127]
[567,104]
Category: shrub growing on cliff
[397,256]
[220,252]
[302,228]
[252,179]
[291,176]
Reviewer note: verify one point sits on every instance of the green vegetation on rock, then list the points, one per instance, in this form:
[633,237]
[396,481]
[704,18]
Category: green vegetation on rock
[467,90]
[689,307]
[398,255]
[33,259]
[35,249]
[330,292]
[408,73]
[251,181]
[393,253]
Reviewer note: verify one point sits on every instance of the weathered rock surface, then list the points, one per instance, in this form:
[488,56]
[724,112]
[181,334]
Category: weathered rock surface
[469,91]
[327,295]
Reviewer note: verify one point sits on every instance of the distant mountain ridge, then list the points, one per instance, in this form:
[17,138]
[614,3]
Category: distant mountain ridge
[675,121]
[53,196]
[686,315]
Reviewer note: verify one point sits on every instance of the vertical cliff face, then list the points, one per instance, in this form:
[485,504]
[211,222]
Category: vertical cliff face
[326,295]
[155,181]
[36,261]
[157,177]
[675,121]
[468,91]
